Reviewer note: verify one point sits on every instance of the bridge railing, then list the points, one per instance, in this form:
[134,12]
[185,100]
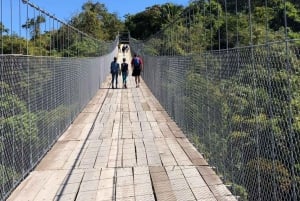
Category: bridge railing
[242,115]
[238,103]
[43,86]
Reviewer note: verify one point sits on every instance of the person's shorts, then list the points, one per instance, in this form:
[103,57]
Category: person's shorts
[136,72]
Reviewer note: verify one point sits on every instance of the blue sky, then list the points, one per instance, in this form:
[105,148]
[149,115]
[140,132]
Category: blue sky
[13,13]
[65,9]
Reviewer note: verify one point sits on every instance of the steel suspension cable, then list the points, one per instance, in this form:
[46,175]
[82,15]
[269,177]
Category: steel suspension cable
[270,98]
[20,30]
[38,37]
[253,67]
[219,31]
[290,110]
[226,24]
[11,27]
[237,24]
[211,28]
[27,40]
[2,26]
[2,111]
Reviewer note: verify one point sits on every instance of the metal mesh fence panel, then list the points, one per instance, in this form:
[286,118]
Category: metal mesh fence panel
[39,99]
[231,82]
[49,72]
[240,111]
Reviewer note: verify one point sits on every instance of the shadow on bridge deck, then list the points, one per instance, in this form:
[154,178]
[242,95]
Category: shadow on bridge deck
[123,146]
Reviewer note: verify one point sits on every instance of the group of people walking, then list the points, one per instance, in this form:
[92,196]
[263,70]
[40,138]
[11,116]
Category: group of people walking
[115,70]
[124,49]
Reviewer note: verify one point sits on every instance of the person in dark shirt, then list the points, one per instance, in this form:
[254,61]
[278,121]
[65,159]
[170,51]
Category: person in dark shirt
[114,70]
[137,65]
[123,49]
[124,69]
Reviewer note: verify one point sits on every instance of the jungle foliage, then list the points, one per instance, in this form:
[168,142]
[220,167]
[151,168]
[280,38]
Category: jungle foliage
[241,90]
[248,113]
[32,74]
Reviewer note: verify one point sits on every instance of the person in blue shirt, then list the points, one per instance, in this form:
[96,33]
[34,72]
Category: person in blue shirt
[114,70]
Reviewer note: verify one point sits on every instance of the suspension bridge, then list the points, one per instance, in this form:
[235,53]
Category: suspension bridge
[216,116]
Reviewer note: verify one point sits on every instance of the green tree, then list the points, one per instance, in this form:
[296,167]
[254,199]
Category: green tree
[19,129]
[34,25]
[96,21]
[153,19]
[3,29]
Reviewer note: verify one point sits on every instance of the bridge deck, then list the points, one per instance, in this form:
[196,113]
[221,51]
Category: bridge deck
[123,146]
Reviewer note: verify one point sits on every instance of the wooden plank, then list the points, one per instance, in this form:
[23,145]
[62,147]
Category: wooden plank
[190,150]
[133,116]
[184,195]
[89,185]
[206,170]
[103,154]
[165,153]
[203,193]
[134,152]
[107,173]
[105,194]
[125,187]
[136,126]
[178,153]
[220,190]
[116,148]
[174,172]
[91,175]
[212,179]
[129,157]
[125,191]
[86,195]
[106,183]
[150,116]
[32,185]
[179,185]
[161,184]
[152,153]
[67,189]
[74,132]
[85,118]
[142,116]
[141,170]
[90,154]
[141,156]
[58,155]
[159,116]
[145,106]
[147,134]
[165,130]
[54,181]
[156,130]
[138,105]
[145,126]
[149,197]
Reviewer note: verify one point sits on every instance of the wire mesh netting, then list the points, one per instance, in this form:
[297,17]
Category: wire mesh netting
[231,82]
[226,71]
[242,117]
[40,97]
[49,72]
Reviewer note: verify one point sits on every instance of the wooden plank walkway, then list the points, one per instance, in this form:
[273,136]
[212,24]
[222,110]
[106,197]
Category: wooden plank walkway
[125,147]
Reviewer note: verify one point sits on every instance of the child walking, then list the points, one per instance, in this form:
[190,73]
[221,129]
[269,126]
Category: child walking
[124,69]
